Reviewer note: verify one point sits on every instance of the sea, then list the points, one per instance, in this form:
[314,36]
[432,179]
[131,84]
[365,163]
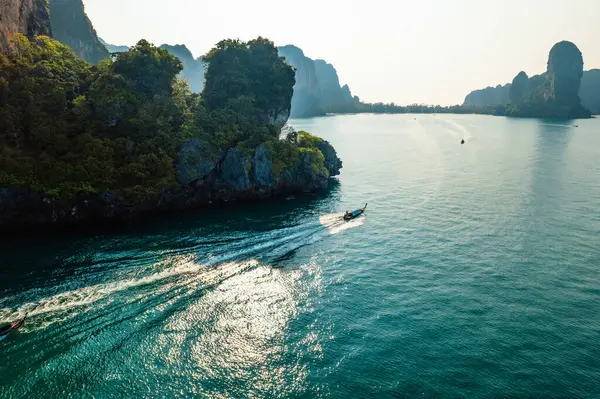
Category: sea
[474,273]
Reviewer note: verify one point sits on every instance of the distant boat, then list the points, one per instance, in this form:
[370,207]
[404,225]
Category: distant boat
[575,125]
[462,141]
[356,213]
[10,327]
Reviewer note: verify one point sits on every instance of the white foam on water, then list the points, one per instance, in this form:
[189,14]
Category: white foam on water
[177,271]
[335,222]
[71,303]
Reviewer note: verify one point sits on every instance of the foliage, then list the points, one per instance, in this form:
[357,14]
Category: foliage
[151,70]
[68,127]
[316,158]
[249,78]
[284,155]
[391,108]
[307,140]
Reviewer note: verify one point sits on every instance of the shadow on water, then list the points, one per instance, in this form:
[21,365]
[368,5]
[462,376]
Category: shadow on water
[102,292]
[33,260]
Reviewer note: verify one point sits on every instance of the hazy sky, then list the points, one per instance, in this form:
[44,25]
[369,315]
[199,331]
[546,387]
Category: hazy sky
[406,51]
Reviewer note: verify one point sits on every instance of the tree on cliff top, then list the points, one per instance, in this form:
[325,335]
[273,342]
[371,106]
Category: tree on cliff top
[151,69]
[249,72]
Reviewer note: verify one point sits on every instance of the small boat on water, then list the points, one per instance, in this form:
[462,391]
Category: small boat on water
[10,327]
[354,214]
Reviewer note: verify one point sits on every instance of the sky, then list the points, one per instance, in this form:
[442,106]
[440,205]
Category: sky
[402,51]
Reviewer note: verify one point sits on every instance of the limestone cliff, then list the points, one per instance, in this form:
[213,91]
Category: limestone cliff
[305,101]
[564,90]
[30,17]
[558,95]
[590,91]
[238,175]
[518,87]
[72,27]
[317,90]
[205,177]
[490,96]
[333,97]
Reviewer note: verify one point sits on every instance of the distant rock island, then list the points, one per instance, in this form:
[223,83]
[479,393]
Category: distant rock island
[563,91]
[488,97]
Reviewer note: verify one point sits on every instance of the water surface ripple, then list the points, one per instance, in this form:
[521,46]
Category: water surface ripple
[473,274]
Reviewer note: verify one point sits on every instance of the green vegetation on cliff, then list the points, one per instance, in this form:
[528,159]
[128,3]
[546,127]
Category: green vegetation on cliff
[249,78]
[287,153]
[68,128]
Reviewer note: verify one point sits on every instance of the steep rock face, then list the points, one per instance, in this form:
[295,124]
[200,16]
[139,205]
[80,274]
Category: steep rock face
[234,171]
[590,91]
[30,17]
[489,96]
[518,87]
[305,102]
[72,27]
[262,168]
[317,90]
[235,176]
[333,98]
[565,70]
[555,93]
[193,69]
[332,162]
[196,160]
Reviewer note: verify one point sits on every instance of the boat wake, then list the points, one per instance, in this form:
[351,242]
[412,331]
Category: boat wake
[167,274]
[335,223]
[458,130]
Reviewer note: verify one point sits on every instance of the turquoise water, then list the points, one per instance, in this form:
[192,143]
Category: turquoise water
[475,273]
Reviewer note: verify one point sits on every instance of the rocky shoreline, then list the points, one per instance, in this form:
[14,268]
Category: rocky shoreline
[233,177]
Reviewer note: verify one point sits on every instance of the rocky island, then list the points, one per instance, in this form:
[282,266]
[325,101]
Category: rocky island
[565,90]
[82,143]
